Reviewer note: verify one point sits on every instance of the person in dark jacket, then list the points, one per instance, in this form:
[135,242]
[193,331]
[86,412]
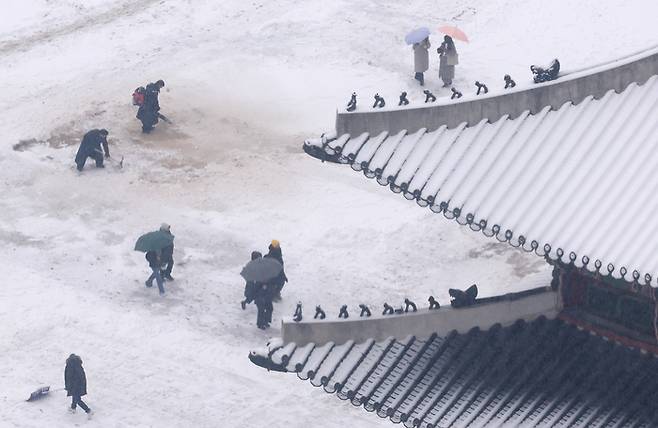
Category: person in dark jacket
[75,383]
[278,282]
[250,288]
[148,112]
[154,259]
[90,147]
[167,255]
[263,299]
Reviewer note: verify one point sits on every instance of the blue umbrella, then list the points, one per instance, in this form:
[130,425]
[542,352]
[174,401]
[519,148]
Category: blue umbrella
[417,36]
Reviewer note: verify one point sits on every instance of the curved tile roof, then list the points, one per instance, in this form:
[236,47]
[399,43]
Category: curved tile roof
[576,184]
[543,373]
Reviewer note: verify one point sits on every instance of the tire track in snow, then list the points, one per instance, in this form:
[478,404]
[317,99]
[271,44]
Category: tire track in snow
[125,10]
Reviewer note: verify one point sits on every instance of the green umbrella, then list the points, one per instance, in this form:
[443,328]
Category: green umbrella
[154,241]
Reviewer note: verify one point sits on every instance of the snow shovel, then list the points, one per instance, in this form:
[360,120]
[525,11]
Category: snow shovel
[42,392]
[118,163]
[165,118]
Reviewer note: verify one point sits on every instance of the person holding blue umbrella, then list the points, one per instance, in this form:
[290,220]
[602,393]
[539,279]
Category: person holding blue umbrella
[420,40]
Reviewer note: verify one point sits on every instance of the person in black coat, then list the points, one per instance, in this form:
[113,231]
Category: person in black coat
[167,255]
[278,282]
[263,299]
[148,112]
[90,147]
[153,257]
[251,287]
[75,382]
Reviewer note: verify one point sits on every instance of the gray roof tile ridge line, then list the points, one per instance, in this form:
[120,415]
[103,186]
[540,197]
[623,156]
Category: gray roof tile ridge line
[324,380]
[460,343]
[569,338]
[370,371]
[596,151]
[390,410]
[476,371]
[418,156]
[615,400]
[404,416]
[313,371]
[506,369]
[390,178]
[592,403]
[394,141]
[299,367]
[549,388]
[634,405]
[338,386]
[567,398]
[606,200]
[478,343]
[467,142]
[401,369]
[500,369]
[526,365]
[366,398]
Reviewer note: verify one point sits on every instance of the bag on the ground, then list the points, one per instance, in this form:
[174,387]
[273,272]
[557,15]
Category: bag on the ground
[138,96]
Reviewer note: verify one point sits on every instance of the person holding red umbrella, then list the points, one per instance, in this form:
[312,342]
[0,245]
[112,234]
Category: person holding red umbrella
[448,59]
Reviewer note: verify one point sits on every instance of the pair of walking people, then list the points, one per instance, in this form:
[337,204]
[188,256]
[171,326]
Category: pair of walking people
[161,263]
[264,293]
[448,59]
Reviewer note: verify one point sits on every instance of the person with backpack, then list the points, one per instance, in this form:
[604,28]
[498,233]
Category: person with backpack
[278,282]
[75,383]
[90,147]
[149,105]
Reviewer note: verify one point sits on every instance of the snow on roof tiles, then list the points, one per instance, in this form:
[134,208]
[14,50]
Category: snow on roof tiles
[543,373]
[577,183]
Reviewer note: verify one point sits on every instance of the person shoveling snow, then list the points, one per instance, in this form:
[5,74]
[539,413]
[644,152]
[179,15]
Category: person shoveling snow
[90,147]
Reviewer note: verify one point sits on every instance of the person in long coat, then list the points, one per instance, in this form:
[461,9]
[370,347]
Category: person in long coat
[251,287]
[274,251]
[263,299]
[448,59]
[90,147]
[421,59]
[75,383]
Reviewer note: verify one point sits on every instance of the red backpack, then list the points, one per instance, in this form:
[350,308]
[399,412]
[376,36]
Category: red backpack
[138,96]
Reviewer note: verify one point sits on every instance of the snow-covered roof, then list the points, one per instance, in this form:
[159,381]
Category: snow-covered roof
[543,373]
[577,184]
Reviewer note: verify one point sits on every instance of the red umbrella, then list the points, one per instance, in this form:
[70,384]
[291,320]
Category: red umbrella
[454,32]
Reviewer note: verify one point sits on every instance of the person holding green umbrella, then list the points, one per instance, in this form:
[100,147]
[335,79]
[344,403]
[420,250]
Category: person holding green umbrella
[152,244]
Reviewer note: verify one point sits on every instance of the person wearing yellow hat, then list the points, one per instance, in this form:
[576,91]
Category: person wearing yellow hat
[278,283]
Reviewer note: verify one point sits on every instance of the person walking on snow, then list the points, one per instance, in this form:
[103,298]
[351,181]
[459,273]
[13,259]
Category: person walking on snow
[251,287]
[278,282]
[90,147]
[75,383]
[167,255]
[421,59]
[263,299]
[148,112]
[154,259]
[448,59]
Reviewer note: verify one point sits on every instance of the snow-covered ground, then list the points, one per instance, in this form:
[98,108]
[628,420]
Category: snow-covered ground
[246,83]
